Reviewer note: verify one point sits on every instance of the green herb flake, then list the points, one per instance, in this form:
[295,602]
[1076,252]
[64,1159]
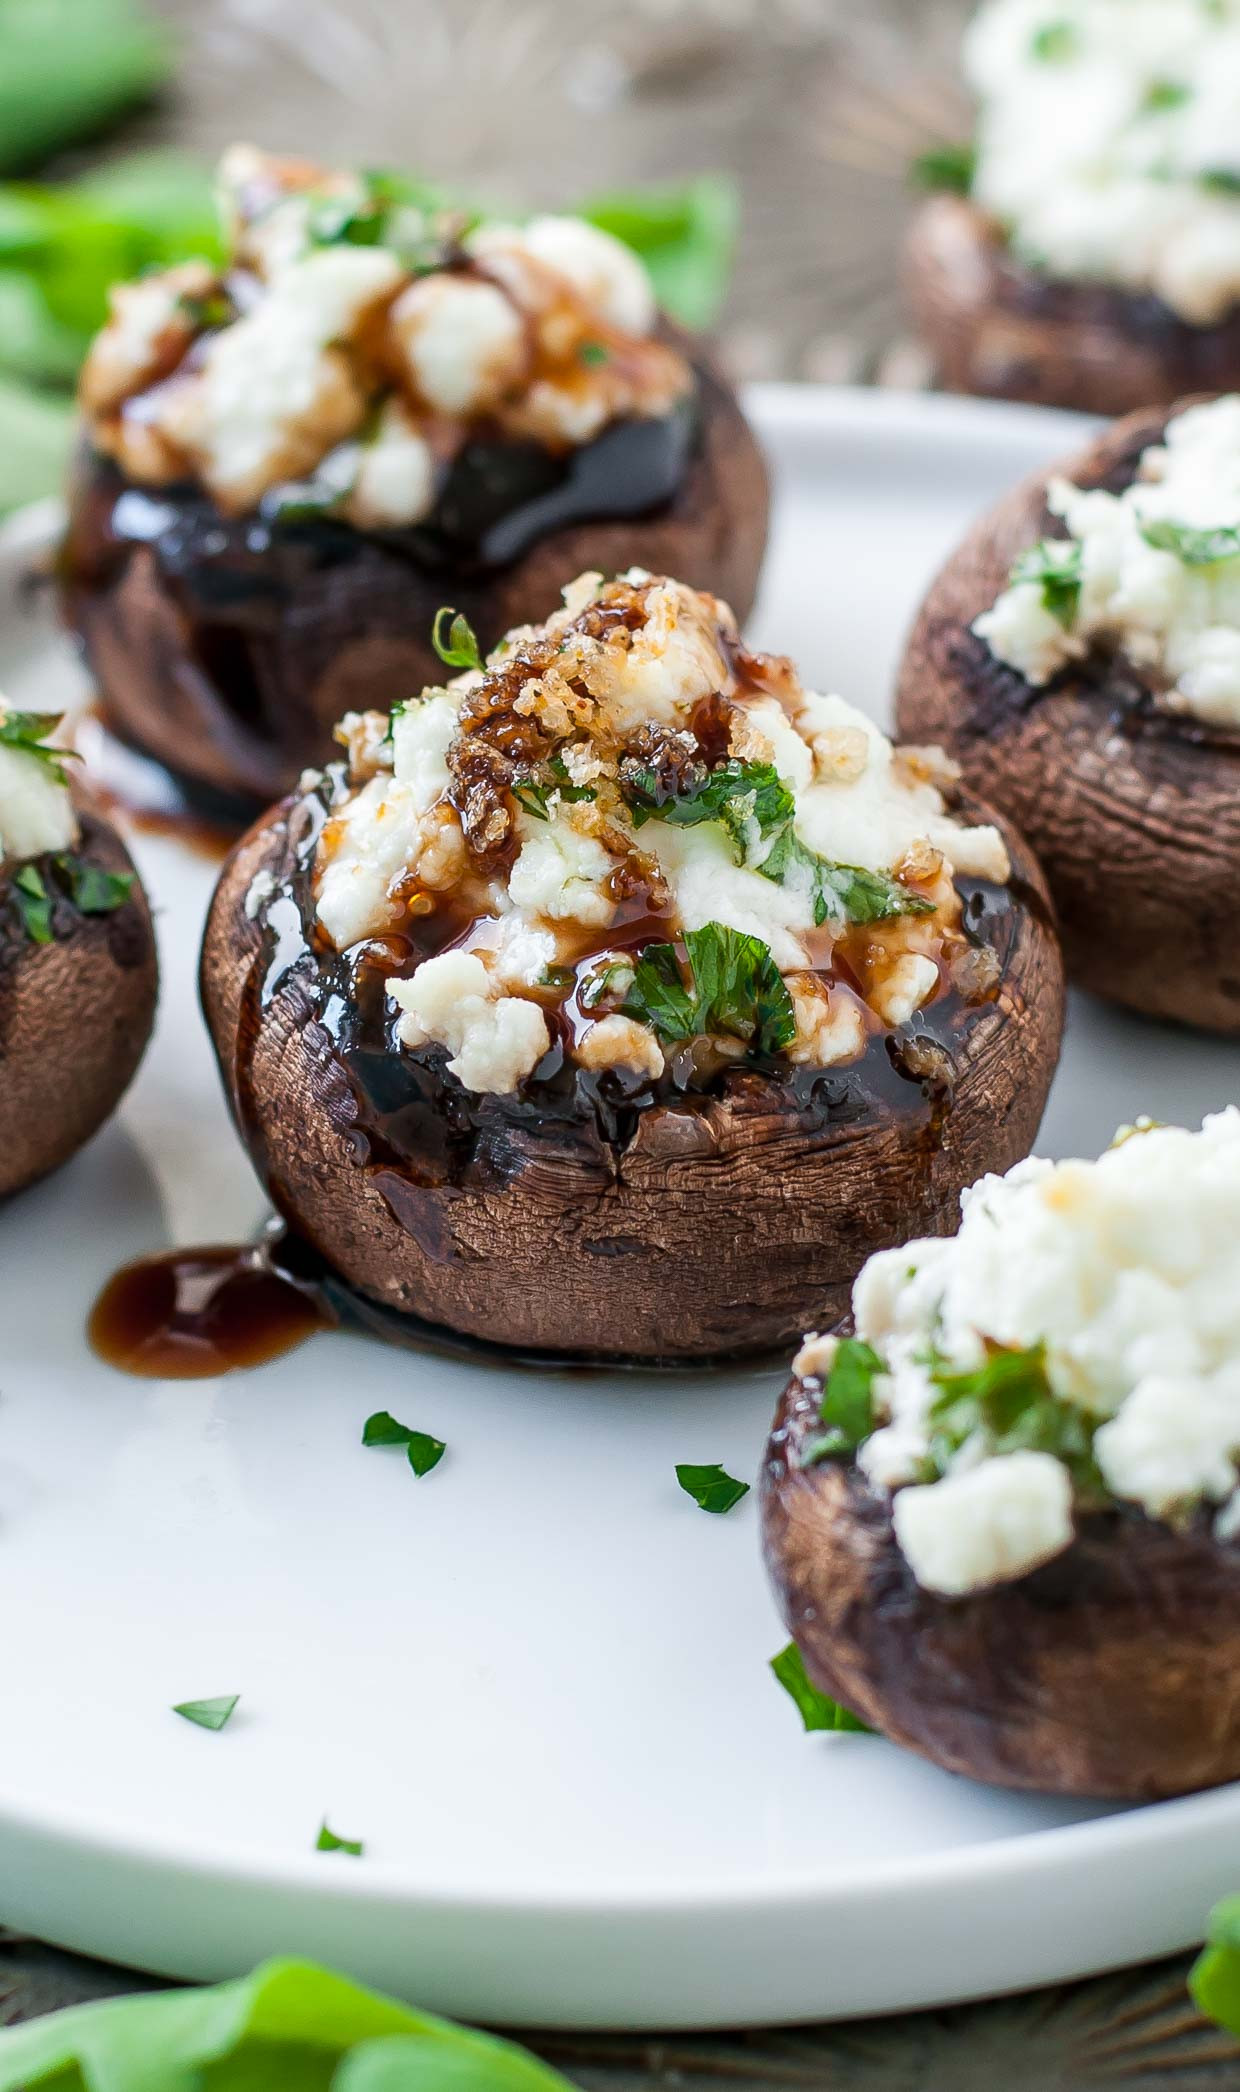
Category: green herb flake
[35,904]
[816,1710]
[1054,566]
[711,1488]
[208,1714]
[92,890]
[1166,94]
[1214,1979]
[424,1451]
[1009,1403]
[733,987]
[460,648]
[593,353]
[1195,548]
[327,1841]
[946,168]
[1225,181]
[1055,42]
[847,1407]
[27,732]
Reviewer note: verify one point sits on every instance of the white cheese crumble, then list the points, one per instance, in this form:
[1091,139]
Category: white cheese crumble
[463,341]
[494,1039]
[1176,617]
[624,667]
[36,811]
[1108,142]
[1127,1271]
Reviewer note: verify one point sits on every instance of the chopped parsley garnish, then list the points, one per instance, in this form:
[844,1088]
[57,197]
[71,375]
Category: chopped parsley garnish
[847,1408]
[94,891]
[1196,548]
[711,1488]
[1167,94]
[816,1710]
[945,167]
[211,310]
[424,1451]
[1225,180]
[34,904]
[1054,566]
[557,977]
[535,793]
[27,730]
[733,986]
[208,1714]
[753,804]
[1055,42]
[593,352]
[1008,1401]
[460,648]
[327,1841]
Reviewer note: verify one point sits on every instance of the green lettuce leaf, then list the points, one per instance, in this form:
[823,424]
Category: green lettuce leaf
[289,2024]
[70,67]
[685,234]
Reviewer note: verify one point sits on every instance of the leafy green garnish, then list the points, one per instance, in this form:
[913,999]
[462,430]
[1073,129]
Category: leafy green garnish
[847,1407]
[534,793]
[711,1488]
[70,67]
[208,1714]
[424,1451]
[1196,548]
[35,904]
[1055,42]
[593,353]
[945,167]
[753,804]
[734,987]
[26,732]
[1214,1979]
[1225,180]
[327,1841]
[290,2025]
[816,1710]
[460,648]
[92,890]
[1009,1401]
[684,233]
[1054,566]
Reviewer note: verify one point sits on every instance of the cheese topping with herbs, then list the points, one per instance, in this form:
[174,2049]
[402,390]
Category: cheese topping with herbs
[1153,572]
[1108,142]
[36,811]
[358,336]
[624,827]
[1077,1342]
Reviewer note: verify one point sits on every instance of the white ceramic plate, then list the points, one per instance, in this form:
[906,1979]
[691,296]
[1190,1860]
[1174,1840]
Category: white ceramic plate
[535,1682]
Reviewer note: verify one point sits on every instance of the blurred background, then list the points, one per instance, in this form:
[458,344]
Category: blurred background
[112,113]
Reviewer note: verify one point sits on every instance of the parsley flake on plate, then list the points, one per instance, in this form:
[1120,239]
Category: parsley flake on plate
[424,1451]
[816,1709]
[712,1488]
[327,1841]
[208,1714]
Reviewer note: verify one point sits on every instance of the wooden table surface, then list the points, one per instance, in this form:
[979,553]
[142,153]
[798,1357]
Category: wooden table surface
[816,107]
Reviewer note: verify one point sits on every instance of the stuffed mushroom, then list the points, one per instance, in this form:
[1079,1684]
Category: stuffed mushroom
[78,972]
[1003,1517]
[1092,256]
[620,995]
[372,408]
[1080,656]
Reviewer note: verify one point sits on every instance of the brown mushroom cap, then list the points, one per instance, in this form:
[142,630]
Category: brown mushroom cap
[708,1224]
[1110,1672]
[1002,330]
[75,1016]
[1133,812]
[228,651]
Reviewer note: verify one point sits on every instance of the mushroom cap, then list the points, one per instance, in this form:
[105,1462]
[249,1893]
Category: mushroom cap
[228,650]
[75,1017]
[1133,812]
[708,1225]
[1109,1672]
[1000,329]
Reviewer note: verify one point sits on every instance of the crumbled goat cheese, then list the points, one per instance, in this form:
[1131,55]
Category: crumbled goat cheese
[816,1357]
[1126,1269]
[1176,620]
[987,1525]
[149,324]
[260,890]
[394,480]
[548,865]
[1108,142]
[36,813]
[463,341]
[494,1039]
